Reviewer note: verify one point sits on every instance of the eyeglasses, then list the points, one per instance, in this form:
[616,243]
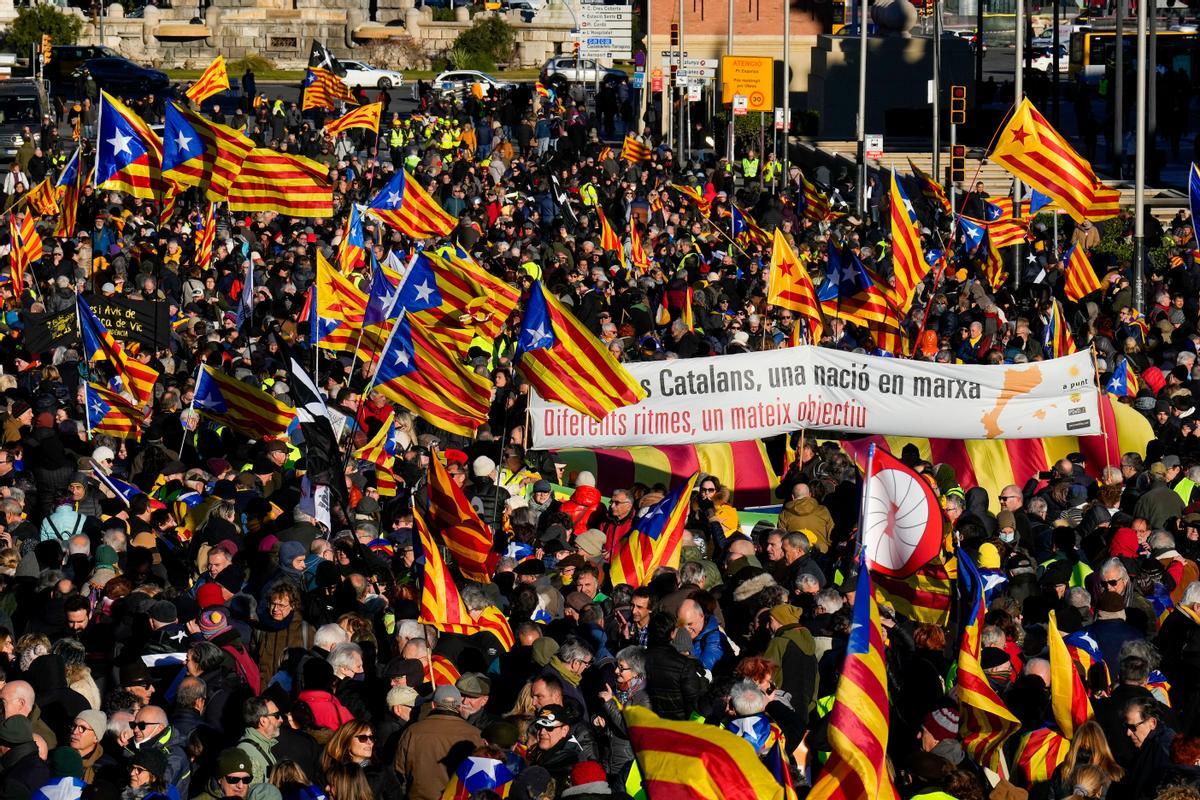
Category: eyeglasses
[1010,497]
[1133,726]
[80,729]
[234,780]
[365,737]
[1113,583]
[275,714]
[141,726]
[624,669]
[707,490]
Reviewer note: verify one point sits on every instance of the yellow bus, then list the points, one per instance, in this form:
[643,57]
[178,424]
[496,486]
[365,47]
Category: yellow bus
[1093,52]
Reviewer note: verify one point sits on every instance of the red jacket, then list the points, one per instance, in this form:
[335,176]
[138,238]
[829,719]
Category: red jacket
[583,503]
[327,710]
[614,532]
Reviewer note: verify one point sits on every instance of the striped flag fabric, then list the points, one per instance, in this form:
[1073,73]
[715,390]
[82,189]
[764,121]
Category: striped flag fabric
[790,287]
[478,774]
[858,724]
[691,760]
[441,671]
[985,722]
[98,344]
[406,206]
[243,407]
[767,740]
[171,192]
[198,152]
[1124,381]
[609,240]
[1079,279]
[908,256]
[1056,336]
[440,601]
[452,516]
[110,413]
[287,184]
[322,89]
[381,448]
[214,80]
[492,620]
[352,249]
[341,308]
[993,265]
[205,233]
[418,372]
[1194,201]
[565,363]
[746,229]
[69,186]
[635,151]
[1031,149]
[656,538]
[467,288]
[42,199]
[25,249]
[932,190]
[1068,695]
[816,204]
[1040,754]
[128,154]
[365,117]
[694,196]
[637,250]
[924,596]
[743,466]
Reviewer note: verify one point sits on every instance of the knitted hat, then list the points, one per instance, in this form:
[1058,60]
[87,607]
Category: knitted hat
[65,763]
[209,594]
[587,772]
[1006,519]
[152,759]
[16,730]
[786,614]
[96,720]
[483,467]
[989,556]
[163,611]
[590,543]
[232,760]
[214,621]
[942,723]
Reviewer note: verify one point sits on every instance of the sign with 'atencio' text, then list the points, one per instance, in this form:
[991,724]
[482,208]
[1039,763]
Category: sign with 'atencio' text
[749,396]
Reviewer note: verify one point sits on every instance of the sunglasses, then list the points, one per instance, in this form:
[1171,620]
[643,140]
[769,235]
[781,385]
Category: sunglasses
[1113,582]
[365,737]
[234,780]
[141,726]
[1133,726]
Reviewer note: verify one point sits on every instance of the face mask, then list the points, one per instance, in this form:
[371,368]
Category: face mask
[1008,538]
[358,676]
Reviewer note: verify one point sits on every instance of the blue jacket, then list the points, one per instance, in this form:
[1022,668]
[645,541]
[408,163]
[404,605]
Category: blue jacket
[710,645]
[60,526]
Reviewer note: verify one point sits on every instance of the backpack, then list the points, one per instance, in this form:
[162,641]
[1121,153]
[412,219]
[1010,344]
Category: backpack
[247,670]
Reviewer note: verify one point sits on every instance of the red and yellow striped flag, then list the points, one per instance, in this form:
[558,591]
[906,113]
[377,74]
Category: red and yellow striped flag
[566,364]
[1040,753]
[290,185]
[790,287]
[467,288]
[492,620]
[656,539]
[993,265]
[406,206]
[1068,696]
[214,80]
[1030,148]
[440,604]
[694,761]
[816,204]
[695,197]
[922,597]
[1056,338]
[932,190]
[609,240]
[111,413]
[1079,279]
[638,250]
[908,256]
[199,152]
[365,117]
[99,345]
[205,233]
[25,249]
[43,199]
[243,407]
[858,724]
[322,89]
[468,537]
[635,151]
[985,722]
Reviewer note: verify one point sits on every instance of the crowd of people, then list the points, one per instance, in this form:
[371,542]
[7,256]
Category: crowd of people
[203,636]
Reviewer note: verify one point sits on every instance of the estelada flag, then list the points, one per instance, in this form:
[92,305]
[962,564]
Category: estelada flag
[633,150]
[365,117]
[287,184]
[790,287]
[214,80]
[42,199]
[655,539]
[468,537]
[1030,148]
[1080,279]
[902,520]
[1068,696]
[609,240]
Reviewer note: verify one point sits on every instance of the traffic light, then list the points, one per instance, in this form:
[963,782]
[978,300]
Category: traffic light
[958,105]
[674,75]
[958,163]
[674,34]
[575,49]
[46,48]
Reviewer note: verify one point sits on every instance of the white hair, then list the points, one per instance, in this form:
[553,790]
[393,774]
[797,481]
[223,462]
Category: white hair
[746,698]
[330,636]
[342,655]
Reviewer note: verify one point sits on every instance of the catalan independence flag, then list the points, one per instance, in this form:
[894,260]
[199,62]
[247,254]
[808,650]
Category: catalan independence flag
[1040,753]
[42,199]
[286,184]
[691,760]
[1079,279]
[924,596]
[566,364]
[406,206]
[609,240]
[637,250]
[790,287]
[128,153]
[418,372]
[214,80]
[243,407]
[1030,148]
[98,344]
[478,774]
[1068,696]
[322,89]
[69,186]
[468,537]
[1056,336]
[205,233]
[365,117]
[1124,381]
[352,249]
[908,256]
[932,190]
[197,152]
[25,249]
[985,722]
[440,601]
[656,538]
[381,448]
[635,151]
[110,413]
[816,203]
[858,723]
[467,288]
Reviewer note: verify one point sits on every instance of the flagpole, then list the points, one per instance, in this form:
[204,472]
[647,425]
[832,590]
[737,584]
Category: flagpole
[1139,167]
[866,498]
[87,417]
[192,408]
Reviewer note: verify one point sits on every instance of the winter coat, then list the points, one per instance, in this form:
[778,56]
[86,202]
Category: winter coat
[582,505]
[327,710]
[806,514]
[1158,505]
[675,681]
[794,650]
[23,771]
[431,749]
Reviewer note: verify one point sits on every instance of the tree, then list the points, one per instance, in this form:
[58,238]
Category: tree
[34,20]
[490,39]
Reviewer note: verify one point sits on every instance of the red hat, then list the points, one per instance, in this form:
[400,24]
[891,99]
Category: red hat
[587,772]
[456,457]
[209,594]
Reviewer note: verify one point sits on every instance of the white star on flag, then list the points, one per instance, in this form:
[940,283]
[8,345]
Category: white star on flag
[183,141]
[120,143]
[393,199]
[424,291]
[485,766]
[402,357]
[538,336]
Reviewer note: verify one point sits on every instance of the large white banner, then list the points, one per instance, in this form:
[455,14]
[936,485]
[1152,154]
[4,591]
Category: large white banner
[749,396]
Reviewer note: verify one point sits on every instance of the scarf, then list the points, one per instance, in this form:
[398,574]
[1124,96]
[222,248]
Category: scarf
[564,671]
